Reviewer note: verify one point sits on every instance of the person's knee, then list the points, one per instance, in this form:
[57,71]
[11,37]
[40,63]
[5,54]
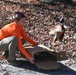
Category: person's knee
[15,38]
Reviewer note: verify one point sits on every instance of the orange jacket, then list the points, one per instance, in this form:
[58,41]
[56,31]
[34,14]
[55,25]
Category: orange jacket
[15,30]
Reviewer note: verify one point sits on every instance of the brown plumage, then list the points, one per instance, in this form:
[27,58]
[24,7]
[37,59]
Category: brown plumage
[58,31]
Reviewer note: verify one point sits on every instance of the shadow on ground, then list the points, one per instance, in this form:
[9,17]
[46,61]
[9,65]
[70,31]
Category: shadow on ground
[62,71]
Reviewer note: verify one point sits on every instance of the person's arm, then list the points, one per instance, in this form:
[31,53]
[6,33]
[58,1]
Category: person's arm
[22,49]
[27,38]
[20,46]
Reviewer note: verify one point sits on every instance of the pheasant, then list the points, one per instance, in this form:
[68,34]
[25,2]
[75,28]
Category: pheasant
[58,31]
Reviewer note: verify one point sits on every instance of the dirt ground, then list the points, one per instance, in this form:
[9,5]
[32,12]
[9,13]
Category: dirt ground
[40,19]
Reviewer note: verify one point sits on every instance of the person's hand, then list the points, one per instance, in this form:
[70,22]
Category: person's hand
[36,45]
[31,60]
